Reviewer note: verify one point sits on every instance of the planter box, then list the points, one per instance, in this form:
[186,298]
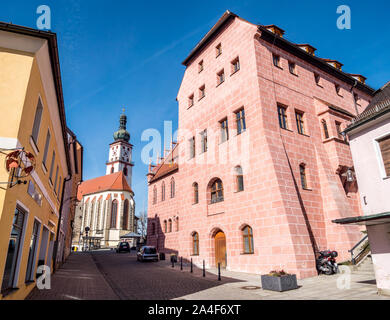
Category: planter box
[283,283]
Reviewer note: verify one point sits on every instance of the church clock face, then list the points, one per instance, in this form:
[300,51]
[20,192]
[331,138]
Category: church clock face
[114,152]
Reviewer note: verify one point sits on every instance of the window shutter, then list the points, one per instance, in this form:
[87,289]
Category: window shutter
[384,145]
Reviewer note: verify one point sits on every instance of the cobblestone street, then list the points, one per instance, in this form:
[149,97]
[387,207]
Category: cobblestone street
[106,275]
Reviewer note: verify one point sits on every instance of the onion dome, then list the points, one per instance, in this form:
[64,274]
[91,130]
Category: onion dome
[122,133]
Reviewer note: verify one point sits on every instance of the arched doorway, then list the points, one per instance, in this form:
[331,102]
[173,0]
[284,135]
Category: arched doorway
[220,249]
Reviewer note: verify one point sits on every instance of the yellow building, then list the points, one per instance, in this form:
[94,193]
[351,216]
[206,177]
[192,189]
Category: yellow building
[32,117]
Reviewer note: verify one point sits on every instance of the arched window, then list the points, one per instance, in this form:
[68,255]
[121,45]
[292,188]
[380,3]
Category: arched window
[170,225]
[125,222]
[163,191]
[216,191]
[125,171]
[114,213]
[165,226]
[112,169]
[92,215]
[239,179]
[154,195]
[195,189]
[247,236]
[325,128]
[302,172]
[195,244]
[172,188]
[98,214]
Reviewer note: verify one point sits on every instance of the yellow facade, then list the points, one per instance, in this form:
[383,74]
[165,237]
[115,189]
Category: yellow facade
[21,87]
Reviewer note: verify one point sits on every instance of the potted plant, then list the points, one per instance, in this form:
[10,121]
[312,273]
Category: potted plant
[279,281]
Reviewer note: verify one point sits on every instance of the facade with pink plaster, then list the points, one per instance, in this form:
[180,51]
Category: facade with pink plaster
[258,171]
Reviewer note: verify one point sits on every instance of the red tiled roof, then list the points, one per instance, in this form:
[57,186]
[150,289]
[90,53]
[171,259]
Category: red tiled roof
[167,166]
[112,182]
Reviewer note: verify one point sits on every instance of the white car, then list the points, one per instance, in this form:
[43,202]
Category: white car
[147,253]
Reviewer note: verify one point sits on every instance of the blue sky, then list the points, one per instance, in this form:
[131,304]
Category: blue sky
[128,54]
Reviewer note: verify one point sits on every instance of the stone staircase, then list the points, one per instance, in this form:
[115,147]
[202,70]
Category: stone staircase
[365,266]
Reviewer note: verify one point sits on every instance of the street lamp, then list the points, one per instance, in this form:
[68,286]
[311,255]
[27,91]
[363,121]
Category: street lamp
[350,175]
[86,235]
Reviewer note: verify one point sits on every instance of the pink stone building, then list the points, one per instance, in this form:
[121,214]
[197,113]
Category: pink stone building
[258,172]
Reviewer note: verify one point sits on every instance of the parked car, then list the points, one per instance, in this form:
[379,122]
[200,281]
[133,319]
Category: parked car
[147,253]
[123,247]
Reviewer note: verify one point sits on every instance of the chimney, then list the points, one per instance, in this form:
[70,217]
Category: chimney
[275,29]
[308,48]
[359,77]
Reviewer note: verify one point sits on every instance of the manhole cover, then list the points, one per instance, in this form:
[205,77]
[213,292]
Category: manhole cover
[250,288]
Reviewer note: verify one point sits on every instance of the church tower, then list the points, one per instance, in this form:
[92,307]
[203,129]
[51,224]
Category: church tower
[120,154]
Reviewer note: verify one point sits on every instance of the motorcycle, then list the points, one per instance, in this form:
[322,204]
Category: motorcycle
[326,262]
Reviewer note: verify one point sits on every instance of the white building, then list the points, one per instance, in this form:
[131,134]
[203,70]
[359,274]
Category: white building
[107,204]
[369,136]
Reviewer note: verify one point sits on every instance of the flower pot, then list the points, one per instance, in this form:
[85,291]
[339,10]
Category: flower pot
[283,283]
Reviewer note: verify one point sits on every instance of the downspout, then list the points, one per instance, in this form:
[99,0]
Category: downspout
[353,97]
[68,178]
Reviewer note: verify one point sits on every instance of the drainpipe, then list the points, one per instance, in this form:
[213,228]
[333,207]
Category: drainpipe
[353,97]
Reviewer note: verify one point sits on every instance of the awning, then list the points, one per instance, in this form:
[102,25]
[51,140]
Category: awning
[130,235]
[369,220]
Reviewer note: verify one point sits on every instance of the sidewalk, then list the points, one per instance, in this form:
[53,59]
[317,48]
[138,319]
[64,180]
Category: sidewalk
[323,287]
[77,279]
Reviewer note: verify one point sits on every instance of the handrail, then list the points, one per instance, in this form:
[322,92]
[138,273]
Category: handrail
[358,244]
[354,258]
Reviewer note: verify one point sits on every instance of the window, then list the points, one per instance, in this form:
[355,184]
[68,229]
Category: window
[217,191]
[59,187]
[384,145]
[292,68]
[325,128]
[317,79]
[98,214]
[299,120]
[177,223]
[163,191]
[170,225]
[337,88]
[190,100]
[247,235]
[282,117]
[240,121]
[276,60]
[114,213]
[218,50]
[52,167]
[165,226]
[235,65]
[191,143]
[154,195]
[32,251]
[46,150]
[112,170]
[203,136]
[125,172]
[125,222]
[195,189]
[55,180]
[172,188]
[224,130]
[302,172]
[202,92]
[195,244]
[338,129]
[356,98]
[239,179]
[220,77]
[37,121]
[200,66]
[14,246]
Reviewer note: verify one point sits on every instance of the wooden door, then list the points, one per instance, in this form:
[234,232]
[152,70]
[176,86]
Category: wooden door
[220,249]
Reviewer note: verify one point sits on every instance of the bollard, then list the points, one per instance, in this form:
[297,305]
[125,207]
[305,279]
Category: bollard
[181,263]
[191,266]
[204,270]
[173,263]
[219,271]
